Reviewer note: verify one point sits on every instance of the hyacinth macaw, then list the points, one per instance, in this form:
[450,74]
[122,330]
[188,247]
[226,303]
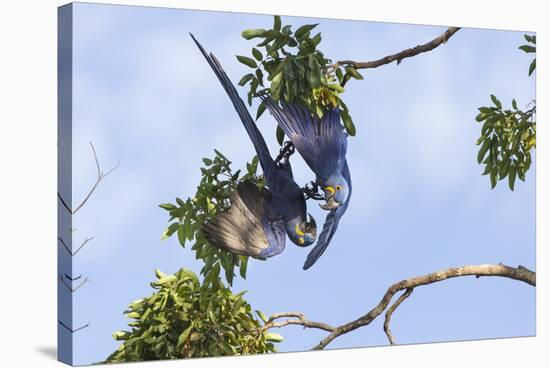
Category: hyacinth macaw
[323,144]
[257,220]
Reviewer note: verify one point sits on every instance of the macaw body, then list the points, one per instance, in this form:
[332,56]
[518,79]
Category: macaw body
[257,220]
[323,145]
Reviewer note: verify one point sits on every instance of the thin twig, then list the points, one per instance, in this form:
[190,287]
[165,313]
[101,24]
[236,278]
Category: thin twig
[78,249]
[82,245]
[69,287]
[100,177]
[443,38]
[300,319]
[390,311]
[71,330]
[73,278]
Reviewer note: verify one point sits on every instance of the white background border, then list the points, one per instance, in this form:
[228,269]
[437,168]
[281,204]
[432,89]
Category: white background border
[28,184]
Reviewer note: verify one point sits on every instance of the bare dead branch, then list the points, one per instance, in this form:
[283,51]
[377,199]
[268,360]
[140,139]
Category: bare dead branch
[78,249]
[82,245]
[100,177]
[69,287]
[71,330]
[390,311]
[498,270]
[73,278]
[443,38]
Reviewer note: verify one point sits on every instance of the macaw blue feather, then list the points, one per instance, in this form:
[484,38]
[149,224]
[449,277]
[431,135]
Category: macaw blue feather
[266,161]
[249,228]
[323,145]
[321,142]
[330,226]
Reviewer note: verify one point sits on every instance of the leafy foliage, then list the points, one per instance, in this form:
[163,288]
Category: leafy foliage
[507,135]
[184,318]
[212,197]
[291,68]
[529,48]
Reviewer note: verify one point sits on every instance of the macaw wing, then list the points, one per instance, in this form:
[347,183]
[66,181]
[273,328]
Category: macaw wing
[321,142]
[250,226]
[330,226]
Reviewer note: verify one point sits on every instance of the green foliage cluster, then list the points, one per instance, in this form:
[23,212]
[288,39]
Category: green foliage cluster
[212,197]
[184,318]
[507,135]
[295,71]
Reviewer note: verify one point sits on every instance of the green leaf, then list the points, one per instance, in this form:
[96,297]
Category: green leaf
[280,135]
[304,29]
[257,54]
[252,33]
[316,39]
[276,83]
[220,155]
[207,161]
[243,266]
[527,48]
[261,110]
[245,79]
[183,336]
[314,78]
[493,176]
[514,104]
[262,316]
[512,176]
[274,337]
[483,150]
[496,101]
[531,39]
[339,75]
[532,66]
[353,72]
[170,230]
[181,235]
[167,206]
[247,61]
[277,22]
[348,123]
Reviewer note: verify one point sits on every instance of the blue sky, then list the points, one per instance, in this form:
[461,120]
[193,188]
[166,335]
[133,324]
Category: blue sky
[144,96]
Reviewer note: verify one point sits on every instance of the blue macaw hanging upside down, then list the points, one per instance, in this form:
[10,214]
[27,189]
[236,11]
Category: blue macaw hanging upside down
[258,219]
[323,144]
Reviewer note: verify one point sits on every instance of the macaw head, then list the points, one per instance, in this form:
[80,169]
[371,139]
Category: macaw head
[302,233]
[336,190]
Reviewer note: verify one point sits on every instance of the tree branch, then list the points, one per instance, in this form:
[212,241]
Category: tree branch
[390,311]
[79,248]
[300,319]
[100,177]
[519,273]
[75,330]
[443,38]
[69,287]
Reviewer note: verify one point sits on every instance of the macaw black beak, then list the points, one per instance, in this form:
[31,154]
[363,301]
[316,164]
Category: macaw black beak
[311,227]
[331,203]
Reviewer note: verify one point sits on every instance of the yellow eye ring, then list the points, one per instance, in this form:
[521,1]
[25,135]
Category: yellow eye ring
[338,187]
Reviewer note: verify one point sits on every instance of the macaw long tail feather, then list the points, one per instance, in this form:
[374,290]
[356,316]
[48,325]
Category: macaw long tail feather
[253,132]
